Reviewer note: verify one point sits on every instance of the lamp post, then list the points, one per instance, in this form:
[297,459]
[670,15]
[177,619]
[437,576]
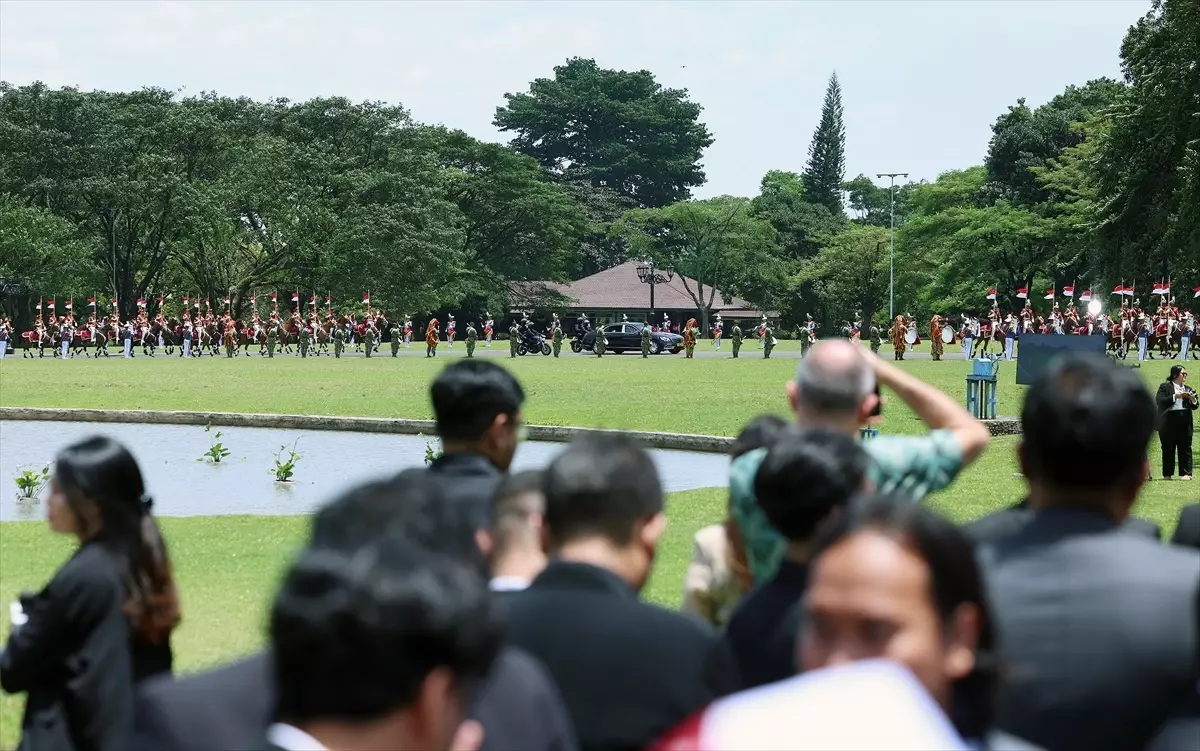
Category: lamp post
[650,274]
[892,253]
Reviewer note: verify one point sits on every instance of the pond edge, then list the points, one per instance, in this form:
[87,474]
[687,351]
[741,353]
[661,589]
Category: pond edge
[554,434]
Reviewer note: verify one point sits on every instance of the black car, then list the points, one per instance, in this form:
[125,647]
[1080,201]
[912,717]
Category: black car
[627,336]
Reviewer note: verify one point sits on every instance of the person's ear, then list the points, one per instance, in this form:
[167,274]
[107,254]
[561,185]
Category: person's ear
[868,405]
[962,641]
[793,395]
[435,711]
[483,538]
[651,530]
[536,523]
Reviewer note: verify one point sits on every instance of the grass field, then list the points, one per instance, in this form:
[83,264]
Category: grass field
[228,566]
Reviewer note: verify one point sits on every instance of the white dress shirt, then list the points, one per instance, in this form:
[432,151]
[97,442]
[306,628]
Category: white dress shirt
[1179,403]
[291,738]
[508,584]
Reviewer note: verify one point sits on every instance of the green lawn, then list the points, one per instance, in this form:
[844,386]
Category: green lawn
[228,566]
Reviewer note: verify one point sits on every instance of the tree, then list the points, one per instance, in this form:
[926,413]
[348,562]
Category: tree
[517,224]
[872,204]
[41,255]
[851,273]
[826,168]
[804,228]
[615,129]
[1148,167]
[717,243]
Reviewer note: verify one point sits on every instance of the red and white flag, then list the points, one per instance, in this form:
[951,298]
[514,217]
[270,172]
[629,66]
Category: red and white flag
[226,299]
[68,303]
[1049,294]
[367,299]
[1023,293]
[252,303]
[141,303]
[196,304]
[1085,296]
[39,305]
[1161,289]
[991,295]
[1069,290]
[295,297]
[1196,292]
[274,296]
[50,304]
[312,300]
[208,303]
[114,302]
[91,302]
[1119,289]
[328,300]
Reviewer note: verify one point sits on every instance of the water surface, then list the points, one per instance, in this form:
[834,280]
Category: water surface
[243,482]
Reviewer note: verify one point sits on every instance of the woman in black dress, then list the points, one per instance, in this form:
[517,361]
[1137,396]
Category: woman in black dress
[104,621]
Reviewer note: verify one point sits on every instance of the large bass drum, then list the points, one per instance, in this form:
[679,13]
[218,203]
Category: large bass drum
[910,336]
[947,334]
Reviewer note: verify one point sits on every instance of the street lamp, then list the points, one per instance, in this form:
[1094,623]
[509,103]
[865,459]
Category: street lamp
[892,253]
[650,274]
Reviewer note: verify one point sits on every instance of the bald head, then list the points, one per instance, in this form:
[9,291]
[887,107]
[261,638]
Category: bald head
[833,380]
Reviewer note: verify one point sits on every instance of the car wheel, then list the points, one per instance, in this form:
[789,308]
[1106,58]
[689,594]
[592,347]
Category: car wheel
[654,348]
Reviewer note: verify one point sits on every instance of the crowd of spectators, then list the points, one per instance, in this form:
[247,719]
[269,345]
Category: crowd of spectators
[460,607]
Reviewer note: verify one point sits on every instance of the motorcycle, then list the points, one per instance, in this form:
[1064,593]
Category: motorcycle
[532,341]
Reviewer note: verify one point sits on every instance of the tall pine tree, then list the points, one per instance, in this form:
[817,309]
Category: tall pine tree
[826,168]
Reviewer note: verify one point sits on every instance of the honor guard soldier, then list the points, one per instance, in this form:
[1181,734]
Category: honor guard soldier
[369,338]
[394,334]
[601,343]
[768,340]
[808,335]
[645,339]
[735,339]
[339,341]
[272,338]
[472,337]
[305,337]
[556,337]
[876,336]
[514,338]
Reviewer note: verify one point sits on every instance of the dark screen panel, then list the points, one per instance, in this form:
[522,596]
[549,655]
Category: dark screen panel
[1036,351]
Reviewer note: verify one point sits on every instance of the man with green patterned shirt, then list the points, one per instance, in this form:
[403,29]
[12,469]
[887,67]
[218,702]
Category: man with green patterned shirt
[645,339]
[305,337]
[768,341]
[395,335]
[472,337]
[735,339]
[556,337]
[514,339]
[339,341]
[272,339]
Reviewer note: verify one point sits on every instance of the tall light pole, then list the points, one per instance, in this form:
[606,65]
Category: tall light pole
[892,252]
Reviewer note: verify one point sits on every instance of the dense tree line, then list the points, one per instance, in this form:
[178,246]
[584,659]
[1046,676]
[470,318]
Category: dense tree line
[133,195]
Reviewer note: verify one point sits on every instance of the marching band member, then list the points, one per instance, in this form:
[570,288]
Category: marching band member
[65,332]
[1143,337]
[451,328]
[489,327]
[762,331]
[431,338]
[898,341]
[127,336]
[5,328]
[1010,336]
[666,323]
[1187,331]
[808,336]
[407,330]
[717,330]
[935,336]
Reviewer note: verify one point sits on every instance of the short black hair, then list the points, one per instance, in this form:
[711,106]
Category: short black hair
[469,394]
[759,433]
[955,579]
[411,505]
[1086,424]
[602,484]
[805,475]
[355,634]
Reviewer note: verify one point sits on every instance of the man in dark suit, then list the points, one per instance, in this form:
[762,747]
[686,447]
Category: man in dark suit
[231,707]
[477,407]
[379,647]
[627,670]
[1099,630]
[1187,532]
[1005,521]
[802,479]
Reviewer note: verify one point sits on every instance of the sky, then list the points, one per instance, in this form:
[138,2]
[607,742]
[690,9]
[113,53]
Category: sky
[922,82]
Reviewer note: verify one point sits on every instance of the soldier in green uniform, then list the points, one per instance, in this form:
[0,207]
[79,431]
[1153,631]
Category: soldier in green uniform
[735,338]
[472,337]
[339,340]
[514,339]
[601,342]
[556,337]
[305,336]
[272,340]
[369,339]
[876,337]
[395,335]
[768,341]
[645,339]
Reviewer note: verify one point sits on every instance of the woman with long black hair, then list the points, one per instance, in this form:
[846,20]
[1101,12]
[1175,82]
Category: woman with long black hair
[104,621]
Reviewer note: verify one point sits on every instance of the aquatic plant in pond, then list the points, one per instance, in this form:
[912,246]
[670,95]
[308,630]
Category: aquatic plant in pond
[217,451]
[285,468]
[31,482]
[431,453]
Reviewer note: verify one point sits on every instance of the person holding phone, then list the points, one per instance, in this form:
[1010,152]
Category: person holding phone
[1176,401]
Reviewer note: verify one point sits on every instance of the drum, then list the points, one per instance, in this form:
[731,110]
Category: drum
[947,334]
[910,336]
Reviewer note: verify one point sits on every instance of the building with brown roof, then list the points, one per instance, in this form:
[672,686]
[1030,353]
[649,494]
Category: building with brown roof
[617,292]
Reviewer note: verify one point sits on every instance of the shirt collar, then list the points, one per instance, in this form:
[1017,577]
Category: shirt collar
[290,738]
[508,583]
[560,574]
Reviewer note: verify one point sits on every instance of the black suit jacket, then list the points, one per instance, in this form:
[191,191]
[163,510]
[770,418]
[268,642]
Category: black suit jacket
[1187,532]
[469,479]
[628,671]
[229,708]
[72,658]
[1165,399]
[1005,521]
[1099,631]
